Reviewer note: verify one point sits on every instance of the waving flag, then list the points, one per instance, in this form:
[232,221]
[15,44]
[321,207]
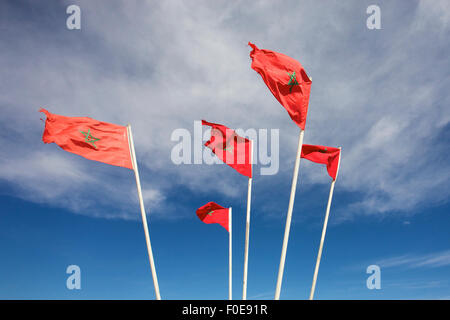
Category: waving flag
[331,158]
[231,148]
[89,138]
[324,155]
[286,79]
[214,213]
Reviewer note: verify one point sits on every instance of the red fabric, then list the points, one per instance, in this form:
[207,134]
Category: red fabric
[231,148]
[325,155]
[276,69]
[214,213]
[108,142]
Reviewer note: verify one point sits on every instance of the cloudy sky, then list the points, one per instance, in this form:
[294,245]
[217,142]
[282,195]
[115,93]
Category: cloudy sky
[382,95]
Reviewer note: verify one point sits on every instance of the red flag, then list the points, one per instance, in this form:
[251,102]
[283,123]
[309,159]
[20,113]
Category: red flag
[286,79]
[89,138]
[214,213]
[325,155]
[231,148]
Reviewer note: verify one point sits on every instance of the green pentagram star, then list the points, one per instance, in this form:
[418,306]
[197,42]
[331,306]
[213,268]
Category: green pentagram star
[230,148]
[292,81]
[209,213]
[89,138]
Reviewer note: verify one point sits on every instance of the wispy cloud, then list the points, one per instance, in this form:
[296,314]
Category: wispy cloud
[432,260]
[414,284]
[262,295]
[160,65]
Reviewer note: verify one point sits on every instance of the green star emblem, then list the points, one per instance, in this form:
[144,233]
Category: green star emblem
[209,213]
[292,81]
[230,148]
[89,138]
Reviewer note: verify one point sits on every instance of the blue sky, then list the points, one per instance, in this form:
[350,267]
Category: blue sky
[380,94]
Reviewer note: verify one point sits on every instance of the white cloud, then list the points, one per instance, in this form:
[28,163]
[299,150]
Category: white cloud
[432,260]
[162,65]
[152,197]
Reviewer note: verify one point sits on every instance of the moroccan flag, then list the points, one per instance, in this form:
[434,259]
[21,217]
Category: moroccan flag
[286,79]
[231,148]
[325,155]
[89,138]
[214,213]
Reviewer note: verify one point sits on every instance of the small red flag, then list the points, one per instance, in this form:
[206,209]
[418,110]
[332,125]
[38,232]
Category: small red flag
[89,138]
[214,213]
[286,79]
[325,155]
[231,148]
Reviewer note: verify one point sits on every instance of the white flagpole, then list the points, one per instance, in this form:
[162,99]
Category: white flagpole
[144,218]
[230,257]
[247,228]
[289,215]
[324,230]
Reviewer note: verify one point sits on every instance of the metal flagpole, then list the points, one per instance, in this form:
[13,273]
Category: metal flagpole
[289,215]
[144,218]
[230,257]
[247,228]
[324,230]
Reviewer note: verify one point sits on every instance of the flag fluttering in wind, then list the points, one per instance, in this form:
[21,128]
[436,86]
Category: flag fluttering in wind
[100,141]
[286,79]
[290,85]
[237,152]
[89,138]
[324,155]
[331,157]
[231,148]
[214,213]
